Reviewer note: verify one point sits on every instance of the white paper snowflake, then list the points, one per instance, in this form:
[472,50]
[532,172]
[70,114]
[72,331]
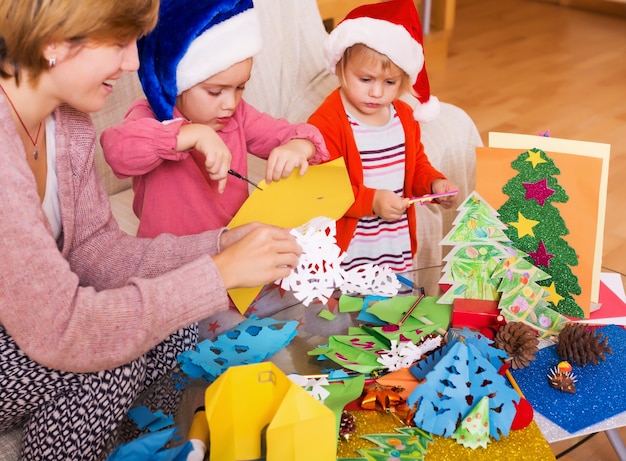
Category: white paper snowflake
[314,386]
[405,353]
[319,271]
[370,279]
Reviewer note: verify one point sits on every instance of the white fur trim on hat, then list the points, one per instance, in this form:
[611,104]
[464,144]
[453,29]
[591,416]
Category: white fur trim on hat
[390,39]
[218,48]
[428,111]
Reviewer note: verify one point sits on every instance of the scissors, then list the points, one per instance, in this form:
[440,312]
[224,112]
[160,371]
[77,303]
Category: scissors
[237,175]
[423,199]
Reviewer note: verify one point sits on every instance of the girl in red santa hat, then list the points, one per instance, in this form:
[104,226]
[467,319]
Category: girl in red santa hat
[377,54]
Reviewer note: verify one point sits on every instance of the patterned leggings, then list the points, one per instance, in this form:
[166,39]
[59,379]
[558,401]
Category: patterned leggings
[77,416]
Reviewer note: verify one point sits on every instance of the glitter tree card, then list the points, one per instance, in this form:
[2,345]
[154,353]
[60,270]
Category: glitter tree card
[552,194]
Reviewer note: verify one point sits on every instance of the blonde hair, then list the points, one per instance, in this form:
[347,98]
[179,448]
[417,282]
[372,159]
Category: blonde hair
[27,26]
[371,57]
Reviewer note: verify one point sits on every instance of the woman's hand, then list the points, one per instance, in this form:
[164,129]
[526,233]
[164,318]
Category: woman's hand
[204,139]
[388,205]
[255,254]
[291,155]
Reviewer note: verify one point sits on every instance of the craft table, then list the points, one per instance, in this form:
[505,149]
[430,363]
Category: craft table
[314,331]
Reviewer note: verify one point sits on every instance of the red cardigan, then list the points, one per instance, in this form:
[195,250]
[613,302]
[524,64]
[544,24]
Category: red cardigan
[332,121]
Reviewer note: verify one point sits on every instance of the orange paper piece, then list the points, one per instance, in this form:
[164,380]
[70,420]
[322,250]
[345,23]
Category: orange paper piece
[324,190]
[254,406]
[584,177]
[402,379]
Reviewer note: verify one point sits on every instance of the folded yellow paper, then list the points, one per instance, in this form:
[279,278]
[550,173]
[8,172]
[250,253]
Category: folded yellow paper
[255,411]
[324,190]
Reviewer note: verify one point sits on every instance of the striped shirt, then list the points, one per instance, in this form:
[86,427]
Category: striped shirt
[375,240]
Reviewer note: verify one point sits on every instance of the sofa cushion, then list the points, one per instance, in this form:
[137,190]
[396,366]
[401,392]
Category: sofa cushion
[127,89]
[10,444]
[289,77]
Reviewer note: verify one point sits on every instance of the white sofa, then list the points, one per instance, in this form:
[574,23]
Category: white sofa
[289,80]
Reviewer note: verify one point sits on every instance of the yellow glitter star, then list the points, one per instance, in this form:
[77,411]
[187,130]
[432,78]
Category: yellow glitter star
[524,225]
[534,157]
[554,297]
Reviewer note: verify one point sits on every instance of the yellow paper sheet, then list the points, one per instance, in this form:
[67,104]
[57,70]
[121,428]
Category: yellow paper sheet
[584,177]
[324,190]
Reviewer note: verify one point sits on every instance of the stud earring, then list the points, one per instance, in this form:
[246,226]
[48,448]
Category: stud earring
[52,61]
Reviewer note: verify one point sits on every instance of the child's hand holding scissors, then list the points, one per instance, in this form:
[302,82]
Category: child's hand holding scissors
[444,193]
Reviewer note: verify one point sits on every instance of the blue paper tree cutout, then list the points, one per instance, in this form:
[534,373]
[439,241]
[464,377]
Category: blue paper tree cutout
[421,369]
[252,341]
[456,382]
[151,447]
[484,345]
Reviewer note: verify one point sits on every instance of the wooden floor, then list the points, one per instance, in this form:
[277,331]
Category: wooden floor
[524,66]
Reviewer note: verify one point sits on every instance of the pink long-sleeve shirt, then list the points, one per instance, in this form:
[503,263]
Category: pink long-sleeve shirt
[173,191]
[96,298]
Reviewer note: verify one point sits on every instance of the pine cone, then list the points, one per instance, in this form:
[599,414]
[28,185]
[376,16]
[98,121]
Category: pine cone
[580,344]
[347,425]
[519,341]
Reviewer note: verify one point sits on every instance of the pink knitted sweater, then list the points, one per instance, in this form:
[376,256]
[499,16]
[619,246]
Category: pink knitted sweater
[96,298]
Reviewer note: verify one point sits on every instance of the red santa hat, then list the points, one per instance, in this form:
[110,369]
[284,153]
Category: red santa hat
[391,28]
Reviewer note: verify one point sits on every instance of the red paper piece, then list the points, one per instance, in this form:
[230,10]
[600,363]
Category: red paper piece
[612,305]
[523,415]
[474,313]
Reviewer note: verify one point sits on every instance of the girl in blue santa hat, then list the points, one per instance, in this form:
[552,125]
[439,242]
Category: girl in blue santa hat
[179,144]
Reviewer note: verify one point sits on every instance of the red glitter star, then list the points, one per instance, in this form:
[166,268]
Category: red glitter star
[213,326]
[541,256]
[538,190]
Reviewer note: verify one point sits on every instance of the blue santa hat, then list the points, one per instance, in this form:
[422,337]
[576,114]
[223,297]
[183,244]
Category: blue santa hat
[192,41]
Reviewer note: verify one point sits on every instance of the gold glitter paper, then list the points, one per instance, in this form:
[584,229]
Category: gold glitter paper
[367,422]
[527,444]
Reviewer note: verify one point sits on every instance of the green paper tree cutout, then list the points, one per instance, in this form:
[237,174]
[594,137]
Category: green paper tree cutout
[522,298]
[468,268]
[491,268]
[477,221]
[480,242]
[473,432]
[536,227]
[410,443]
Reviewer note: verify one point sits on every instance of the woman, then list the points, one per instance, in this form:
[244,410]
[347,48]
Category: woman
[89,316]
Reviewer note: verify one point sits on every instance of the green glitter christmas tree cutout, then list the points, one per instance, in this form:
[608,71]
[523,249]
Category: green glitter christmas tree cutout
[537,228]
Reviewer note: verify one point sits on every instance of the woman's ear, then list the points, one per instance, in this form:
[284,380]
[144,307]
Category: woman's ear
[56,52]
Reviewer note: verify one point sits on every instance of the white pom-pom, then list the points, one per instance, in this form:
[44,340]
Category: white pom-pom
[427,111]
